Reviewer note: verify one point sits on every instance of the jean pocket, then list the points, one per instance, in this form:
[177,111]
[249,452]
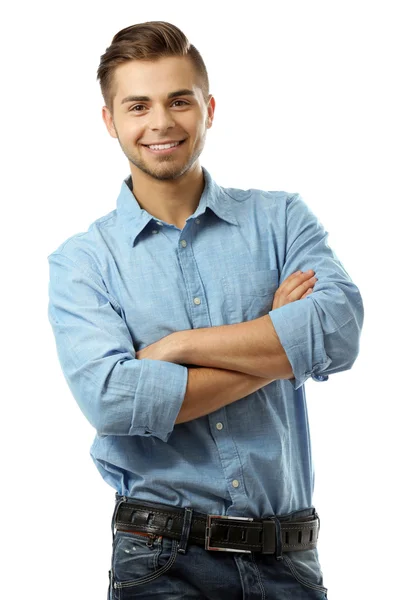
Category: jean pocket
[137,560]
[304,566]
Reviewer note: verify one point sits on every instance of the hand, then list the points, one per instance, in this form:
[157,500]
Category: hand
[165,349]
[295,287]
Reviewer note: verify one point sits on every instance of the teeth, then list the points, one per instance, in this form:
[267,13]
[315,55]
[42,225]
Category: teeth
[164,146]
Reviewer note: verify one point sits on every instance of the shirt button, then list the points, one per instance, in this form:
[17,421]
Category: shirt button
[197,300]
[183,243]
[235,483]
[197,221]
[154,231]
[219,426]
[159,222]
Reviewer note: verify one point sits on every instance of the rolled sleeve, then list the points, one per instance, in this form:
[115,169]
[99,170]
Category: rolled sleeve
[157,415]
[117,393]
[320,334]
[298,330]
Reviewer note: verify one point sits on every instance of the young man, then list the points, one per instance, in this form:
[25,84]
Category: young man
[186,325]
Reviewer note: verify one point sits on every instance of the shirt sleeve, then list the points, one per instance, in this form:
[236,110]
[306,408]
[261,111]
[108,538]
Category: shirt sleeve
[118,394]
[321,333]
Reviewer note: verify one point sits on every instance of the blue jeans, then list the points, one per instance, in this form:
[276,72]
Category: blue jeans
[144,569]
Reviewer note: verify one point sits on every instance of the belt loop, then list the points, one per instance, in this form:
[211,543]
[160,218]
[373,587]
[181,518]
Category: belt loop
[278,539]
[317,517]
[186,528]
[117,505]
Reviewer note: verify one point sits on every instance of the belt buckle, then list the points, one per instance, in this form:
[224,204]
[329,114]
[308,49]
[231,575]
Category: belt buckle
[210,518]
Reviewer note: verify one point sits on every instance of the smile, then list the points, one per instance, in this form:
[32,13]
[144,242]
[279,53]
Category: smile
[164,148]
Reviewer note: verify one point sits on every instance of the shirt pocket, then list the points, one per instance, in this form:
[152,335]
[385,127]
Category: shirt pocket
[249,294]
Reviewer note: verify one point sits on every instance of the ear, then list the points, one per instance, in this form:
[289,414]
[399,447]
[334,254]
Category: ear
[109,121]
[211,111]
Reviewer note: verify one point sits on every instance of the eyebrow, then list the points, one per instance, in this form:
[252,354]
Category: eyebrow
[184,92]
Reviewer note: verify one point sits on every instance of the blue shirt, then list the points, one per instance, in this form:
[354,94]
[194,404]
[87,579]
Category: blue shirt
[130,280]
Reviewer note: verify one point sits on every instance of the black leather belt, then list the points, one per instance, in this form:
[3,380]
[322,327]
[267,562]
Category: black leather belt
[217,532]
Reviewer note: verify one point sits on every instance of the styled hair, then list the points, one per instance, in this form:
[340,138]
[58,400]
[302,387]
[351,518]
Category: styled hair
[147,41]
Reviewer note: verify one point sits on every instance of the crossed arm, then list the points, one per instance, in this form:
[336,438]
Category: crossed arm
[238,359]
[252,347]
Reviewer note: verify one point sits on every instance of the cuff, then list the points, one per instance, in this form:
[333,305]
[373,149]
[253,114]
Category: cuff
[301,336]
[158,399]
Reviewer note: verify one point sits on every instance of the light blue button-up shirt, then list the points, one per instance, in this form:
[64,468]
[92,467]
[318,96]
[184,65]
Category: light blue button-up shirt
[130,280]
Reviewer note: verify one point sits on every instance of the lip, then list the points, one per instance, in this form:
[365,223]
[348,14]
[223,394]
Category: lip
[168,150]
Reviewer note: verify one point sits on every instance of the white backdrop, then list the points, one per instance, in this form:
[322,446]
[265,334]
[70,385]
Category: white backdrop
[308,99]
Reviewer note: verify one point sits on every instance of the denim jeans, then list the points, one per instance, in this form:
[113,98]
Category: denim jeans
[144,569]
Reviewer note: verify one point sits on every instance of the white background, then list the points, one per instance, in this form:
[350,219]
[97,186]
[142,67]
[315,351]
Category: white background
[309,100]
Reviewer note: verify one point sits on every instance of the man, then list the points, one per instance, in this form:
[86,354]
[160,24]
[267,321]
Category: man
[187,322]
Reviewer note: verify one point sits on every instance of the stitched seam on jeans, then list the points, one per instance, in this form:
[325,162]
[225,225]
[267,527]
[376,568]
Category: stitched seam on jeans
[258,576]
[240,575]
[152,576]
[302,580]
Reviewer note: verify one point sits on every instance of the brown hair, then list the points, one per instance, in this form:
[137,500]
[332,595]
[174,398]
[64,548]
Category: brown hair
[147,41]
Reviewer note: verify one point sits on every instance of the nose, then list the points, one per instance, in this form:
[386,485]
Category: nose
[161,119]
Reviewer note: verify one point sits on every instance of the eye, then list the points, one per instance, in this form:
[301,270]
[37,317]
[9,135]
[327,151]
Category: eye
[134,108]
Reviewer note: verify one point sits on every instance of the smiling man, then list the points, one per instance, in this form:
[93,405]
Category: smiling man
[162,136]
[187,321]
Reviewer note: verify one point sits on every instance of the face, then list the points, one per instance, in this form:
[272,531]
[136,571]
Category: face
[158,102]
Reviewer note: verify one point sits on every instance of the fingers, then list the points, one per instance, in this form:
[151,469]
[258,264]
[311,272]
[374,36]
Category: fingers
[297,283]
[295,287]
[297,293]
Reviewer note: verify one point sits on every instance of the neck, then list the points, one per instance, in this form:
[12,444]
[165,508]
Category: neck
[171,201]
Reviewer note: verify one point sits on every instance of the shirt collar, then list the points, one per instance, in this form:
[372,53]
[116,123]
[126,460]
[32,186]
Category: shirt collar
[134,219]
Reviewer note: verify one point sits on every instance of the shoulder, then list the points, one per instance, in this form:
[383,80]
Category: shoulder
[86,248]
[269,197]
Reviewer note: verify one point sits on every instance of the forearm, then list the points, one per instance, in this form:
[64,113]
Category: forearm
[209,389]
[252,347]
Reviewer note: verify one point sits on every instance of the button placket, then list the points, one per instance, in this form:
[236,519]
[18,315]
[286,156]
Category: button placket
[196,300]
[230,460]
